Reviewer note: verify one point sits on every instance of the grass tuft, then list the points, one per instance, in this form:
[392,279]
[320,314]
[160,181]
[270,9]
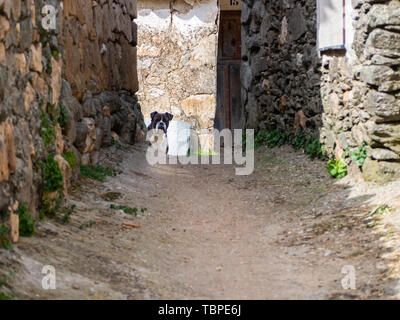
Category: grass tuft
[97,172]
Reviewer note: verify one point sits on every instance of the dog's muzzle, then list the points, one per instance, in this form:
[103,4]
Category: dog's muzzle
[162,126]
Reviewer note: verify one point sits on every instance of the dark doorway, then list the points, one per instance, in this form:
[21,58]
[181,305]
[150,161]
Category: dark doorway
[228,113]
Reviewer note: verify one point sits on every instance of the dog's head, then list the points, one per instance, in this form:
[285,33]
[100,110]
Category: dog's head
[160,121]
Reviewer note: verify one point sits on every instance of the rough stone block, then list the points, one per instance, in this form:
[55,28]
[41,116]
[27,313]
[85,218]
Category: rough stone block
[385,106]
[14,222]
[7,150]
[381,171]
[36,58]
[4,27]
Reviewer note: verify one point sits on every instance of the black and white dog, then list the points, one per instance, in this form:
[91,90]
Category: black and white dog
[158,129]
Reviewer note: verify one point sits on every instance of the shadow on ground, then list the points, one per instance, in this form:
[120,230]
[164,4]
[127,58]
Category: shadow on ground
[284,232]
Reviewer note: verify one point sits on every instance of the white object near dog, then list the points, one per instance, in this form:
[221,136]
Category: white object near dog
[178,135]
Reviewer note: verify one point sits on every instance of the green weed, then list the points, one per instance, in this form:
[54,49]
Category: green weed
[63,117]
[26,221]
[55,53]
[126,209]
[49,68]
[359,155]
[337,168]
[4,242]
[52,176]
[276,138]
[97,172]
[70,157]
[313,148]
[298,141]
[47,131]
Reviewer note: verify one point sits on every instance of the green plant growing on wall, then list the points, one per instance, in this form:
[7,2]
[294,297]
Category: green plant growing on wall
[70,157]
[53,182]
[49,68]
[53,112]
[26,221]
[63,117]
[44,34]
[47,131]
[346,153]
[337,168]
[4,242]
[52,176]
[55,53]
[359,155]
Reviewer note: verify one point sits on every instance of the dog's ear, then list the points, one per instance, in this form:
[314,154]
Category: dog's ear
[169,116]
[153,114]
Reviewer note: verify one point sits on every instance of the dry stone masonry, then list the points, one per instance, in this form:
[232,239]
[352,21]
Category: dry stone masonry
[377,75]
[349,96]
[63,92]
[280,70]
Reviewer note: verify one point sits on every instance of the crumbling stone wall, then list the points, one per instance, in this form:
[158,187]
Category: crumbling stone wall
[63,92]
[348,96]
[177,44]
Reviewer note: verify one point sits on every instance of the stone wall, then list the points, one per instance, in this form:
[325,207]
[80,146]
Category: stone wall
[360,90]
[22,79]
[98,44]
[350,97]
[280,71]
[63,91]
[177,44]
[99,40]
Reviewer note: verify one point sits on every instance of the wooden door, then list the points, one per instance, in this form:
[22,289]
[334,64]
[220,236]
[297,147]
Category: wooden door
[229,111]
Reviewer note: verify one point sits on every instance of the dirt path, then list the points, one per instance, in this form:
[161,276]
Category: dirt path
[284,232]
